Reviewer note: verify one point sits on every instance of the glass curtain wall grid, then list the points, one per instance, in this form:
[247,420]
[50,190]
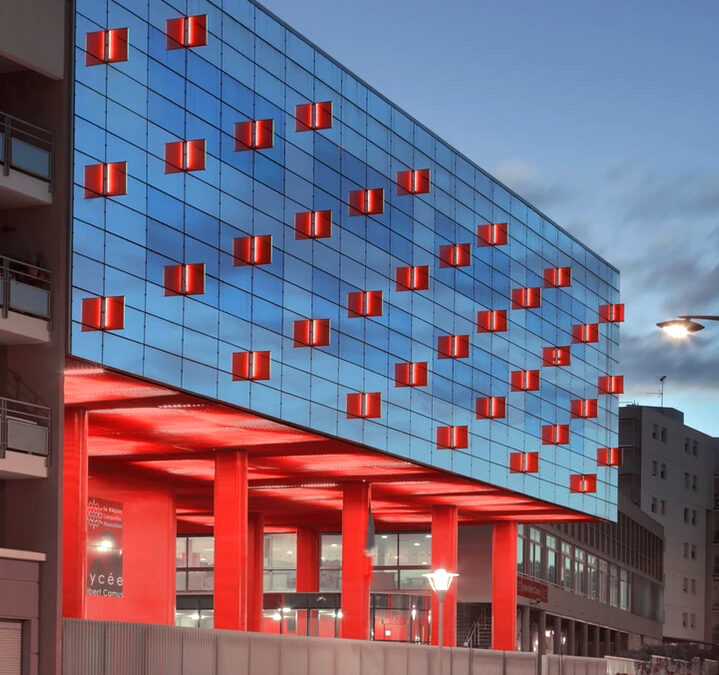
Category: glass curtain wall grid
[345,270]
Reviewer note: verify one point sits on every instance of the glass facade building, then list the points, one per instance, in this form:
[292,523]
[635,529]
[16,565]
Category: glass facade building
[254,224]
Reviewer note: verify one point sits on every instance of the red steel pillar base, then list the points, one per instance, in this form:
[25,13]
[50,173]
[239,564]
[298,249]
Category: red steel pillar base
[356,565]
[74,515]
[231,514]
[444,556]
[504,586]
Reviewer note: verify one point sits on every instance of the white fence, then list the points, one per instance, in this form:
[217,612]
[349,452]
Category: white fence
[110,648]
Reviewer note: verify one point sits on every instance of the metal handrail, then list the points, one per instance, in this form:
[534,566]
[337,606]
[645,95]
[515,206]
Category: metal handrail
[14,128]
[22,413]
[18,272]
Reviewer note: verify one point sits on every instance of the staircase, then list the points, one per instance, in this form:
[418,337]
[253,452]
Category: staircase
[474,625]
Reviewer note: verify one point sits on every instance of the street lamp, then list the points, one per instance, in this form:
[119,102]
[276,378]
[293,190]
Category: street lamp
[440,580]
[684,324]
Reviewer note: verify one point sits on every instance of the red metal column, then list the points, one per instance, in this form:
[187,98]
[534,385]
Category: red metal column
[231,540]
[308,560]
[74,514]
[256,562]
[356,567]
[444,556]
[504,586]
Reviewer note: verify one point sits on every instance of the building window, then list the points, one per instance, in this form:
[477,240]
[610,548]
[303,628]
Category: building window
[686,514]
[654,467]
[254,135]
[663,470]
[520,549]
[106,46]
[695,448]
[692,620]
[455,255]
[695,480]
[280,561]
[603,580]
[613,586]
[685,585]
[551,559]
[579,580]
[566,568]
[687,482]
[593,577]
[330,562]
[693,586]
[664,435]
[492,234]
[313,116]
[654,506]
[662,507]
[684,619]
[313,224]
[686,549]
[694,517]
[366,202]
[190,31]
[410,374]
[624,589]
[413,182]
[655,431]
[535,553]
[452,437]
[414,278]
[195,561]
[687,445]
[693,553]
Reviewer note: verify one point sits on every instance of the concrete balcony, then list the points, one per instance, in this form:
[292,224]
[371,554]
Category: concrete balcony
[25,301]
[26,155]
[24,439]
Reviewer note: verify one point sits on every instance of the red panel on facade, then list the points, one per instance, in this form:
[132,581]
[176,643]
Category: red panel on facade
[583,482]
[492,234]
[611,384]
[251,365]
[264,134]
[455,255]
[413,181]
[557,277]
[312,116]
[196,30]
[313,224]
[95,48]
[366,202]
[415,278]
[194,278]
[174,157]
[611,313]
[584,407]
[312,333]
[413,374]
[116,184]
[173,280]
[253,250]
[364,303]
[585,332]
[175,31]
[195,155]
[556,356]
[453,346]
[609,456]
[364,405]
[491,407]
[525,380]
[117,39]
[452,437]
[303,117]
[524,462]
[526,298]
[91,314]
[323,115]
[94,181]
[555,434]
[114,312]
[492,321]
[243,136]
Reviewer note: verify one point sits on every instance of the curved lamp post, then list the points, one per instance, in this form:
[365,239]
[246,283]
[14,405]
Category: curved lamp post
[440,580]
[684,324]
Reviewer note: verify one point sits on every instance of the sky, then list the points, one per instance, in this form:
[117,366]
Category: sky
[604,114]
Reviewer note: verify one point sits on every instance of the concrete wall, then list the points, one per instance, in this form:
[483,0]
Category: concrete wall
[19,600]
[108,648]
[32,34]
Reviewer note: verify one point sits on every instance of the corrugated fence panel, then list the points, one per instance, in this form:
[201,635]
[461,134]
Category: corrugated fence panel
[111,648]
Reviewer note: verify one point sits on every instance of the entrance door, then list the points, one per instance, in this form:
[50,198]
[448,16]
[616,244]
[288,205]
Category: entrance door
[10,648]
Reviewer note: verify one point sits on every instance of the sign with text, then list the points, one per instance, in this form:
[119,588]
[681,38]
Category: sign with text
[104,548]
[529,588]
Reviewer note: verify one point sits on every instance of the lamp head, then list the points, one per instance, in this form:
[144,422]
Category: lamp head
[440,580]
[680,328]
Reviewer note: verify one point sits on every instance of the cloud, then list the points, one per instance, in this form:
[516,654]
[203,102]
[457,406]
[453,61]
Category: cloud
[524,179]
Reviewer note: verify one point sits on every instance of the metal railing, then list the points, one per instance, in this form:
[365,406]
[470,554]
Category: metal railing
[24,288]
[24,427]
[25,147]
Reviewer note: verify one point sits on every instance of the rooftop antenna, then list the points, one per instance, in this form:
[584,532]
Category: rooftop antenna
[661,393]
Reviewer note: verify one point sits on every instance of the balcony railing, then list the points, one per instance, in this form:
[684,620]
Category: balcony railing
[24,427]
[24,288]
[25,147]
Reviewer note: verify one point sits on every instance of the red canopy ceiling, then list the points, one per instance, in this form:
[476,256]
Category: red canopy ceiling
[145,431]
